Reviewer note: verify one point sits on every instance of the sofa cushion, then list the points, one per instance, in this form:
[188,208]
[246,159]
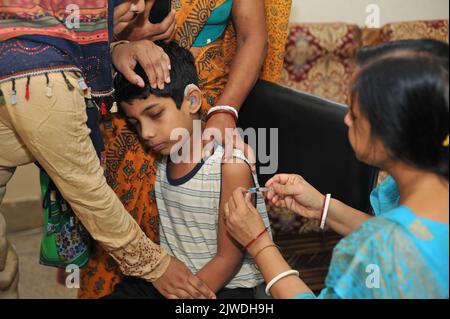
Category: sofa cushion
[320,58]
[437,29]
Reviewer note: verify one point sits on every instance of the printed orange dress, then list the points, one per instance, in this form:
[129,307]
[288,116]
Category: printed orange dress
[130,171]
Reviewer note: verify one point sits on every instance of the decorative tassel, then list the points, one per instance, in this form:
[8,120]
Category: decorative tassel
[81,83]
[2,98]
[69,85]
[64,206]
[103,109]
[53,196]
[103,159]
[48,88]
[27,89]
[90,104]
[14,93]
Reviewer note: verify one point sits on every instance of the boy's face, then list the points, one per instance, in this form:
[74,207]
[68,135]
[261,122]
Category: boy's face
[155,118]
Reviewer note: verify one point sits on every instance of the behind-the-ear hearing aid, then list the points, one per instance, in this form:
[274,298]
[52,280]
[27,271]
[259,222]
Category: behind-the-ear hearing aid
[192,99]
[187,88]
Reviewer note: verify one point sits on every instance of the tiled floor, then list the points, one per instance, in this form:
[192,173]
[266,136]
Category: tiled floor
[36,281]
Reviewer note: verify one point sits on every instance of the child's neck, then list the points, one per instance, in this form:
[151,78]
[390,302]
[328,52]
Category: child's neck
[194,155]
[425,193]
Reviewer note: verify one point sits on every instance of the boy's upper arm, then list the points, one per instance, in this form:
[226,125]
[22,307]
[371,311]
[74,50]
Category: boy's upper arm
[234,175]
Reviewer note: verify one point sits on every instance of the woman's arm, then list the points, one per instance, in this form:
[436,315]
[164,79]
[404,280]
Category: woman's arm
[250,24]
[344,219]
[271,263]
[140,27]
[143,33]
[225,265]
[244,223]
[249,21]
[296,194]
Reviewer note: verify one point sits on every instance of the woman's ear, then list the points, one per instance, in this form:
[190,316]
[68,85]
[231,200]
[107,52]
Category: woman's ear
[193,96]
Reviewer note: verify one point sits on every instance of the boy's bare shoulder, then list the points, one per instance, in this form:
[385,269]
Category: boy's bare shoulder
[237,174]
[236,167]
[235,170]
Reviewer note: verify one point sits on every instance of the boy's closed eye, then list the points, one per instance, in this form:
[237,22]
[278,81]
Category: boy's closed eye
[154,115]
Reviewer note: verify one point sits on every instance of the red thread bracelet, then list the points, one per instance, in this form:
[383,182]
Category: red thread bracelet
[257,237]
[224,112]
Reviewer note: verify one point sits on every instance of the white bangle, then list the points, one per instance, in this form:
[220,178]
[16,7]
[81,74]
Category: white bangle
[223,108]
[278,278]
[326,206]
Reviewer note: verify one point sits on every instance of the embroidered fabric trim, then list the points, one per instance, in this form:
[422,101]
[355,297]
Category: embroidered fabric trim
[146,260]
[37,72]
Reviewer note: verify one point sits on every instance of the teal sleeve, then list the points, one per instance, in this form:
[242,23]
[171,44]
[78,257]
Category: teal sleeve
[326,293]
[384,265]
[305,295]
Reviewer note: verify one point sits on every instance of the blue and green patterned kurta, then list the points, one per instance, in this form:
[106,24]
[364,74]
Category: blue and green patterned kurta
[394,255]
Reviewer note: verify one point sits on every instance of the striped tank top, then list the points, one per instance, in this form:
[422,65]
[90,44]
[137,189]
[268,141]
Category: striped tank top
[189,215]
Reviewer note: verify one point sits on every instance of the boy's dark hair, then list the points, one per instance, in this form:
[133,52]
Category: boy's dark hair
[183,73]
[406,101]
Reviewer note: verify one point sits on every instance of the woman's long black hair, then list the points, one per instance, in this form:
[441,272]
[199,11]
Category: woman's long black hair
[403,91]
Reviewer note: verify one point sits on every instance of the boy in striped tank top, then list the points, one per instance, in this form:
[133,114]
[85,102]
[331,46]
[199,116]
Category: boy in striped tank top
[191,191]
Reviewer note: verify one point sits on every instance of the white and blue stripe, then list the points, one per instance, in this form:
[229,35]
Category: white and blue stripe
[189,212]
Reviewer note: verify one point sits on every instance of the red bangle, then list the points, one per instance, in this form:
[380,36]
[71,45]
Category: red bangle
[257,237]
[224,112]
